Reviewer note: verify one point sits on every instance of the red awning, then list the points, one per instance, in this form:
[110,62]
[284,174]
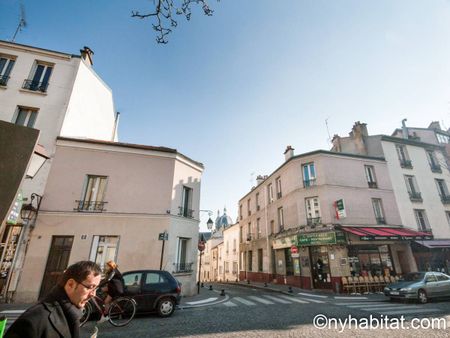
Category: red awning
[386,233]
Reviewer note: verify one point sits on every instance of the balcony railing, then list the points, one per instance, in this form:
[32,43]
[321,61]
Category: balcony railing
[35,86]
[415,196]
[279,195]
[189,213]
[406,164]
[4,80]
[250,237]
[381,220]
[92,206]
[183,267]
[445,199]
[313,221]
[309,183]
[258,207]
[372,185]
[436,168]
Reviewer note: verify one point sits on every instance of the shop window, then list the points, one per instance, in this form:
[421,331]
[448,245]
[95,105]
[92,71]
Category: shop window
[260,260]
[289,262]
[250,261]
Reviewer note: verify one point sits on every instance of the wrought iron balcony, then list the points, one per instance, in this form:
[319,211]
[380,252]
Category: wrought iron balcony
[381,220]
[189,213]
[183,267]
[35,86]
[92,206]
[313,221]
[309,183]
[406,164]
[436,168]
[372,185]
[445,199]
[279,195]
[415,196]
[4,80]
[250,237]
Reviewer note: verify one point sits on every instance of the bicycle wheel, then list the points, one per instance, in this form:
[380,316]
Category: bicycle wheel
[122,311]
[87,310]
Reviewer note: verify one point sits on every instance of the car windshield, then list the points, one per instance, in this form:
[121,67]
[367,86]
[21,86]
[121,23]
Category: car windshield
[413,276]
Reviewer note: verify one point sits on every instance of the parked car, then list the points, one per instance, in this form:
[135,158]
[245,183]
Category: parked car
[420,286]
[154,291]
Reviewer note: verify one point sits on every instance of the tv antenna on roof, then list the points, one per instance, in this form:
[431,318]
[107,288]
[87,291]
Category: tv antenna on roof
[328,131]
[22,22]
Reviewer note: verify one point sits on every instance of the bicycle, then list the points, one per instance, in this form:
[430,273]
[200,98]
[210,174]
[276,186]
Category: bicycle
[121,311]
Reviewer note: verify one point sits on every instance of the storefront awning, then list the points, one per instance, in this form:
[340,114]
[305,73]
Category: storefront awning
[386,233]
[435,244]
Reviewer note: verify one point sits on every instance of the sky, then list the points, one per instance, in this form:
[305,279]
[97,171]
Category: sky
[234,89]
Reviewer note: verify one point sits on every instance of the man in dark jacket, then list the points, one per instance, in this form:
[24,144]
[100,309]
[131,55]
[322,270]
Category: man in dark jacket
[58,314]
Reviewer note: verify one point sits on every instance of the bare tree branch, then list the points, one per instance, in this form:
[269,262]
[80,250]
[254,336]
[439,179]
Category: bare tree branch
[164,15]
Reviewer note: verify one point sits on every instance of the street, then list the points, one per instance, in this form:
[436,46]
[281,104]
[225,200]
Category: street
[249,312]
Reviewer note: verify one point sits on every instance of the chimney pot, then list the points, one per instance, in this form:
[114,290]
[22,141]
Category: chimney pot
[288,153]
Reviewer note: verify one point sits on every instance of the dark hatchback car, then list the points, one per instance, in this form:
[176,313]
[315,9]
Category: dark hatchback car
[154,291]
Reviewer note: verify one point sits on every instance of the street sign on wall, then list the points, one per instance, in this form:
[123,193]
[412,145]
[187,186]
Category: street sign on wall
[340,209]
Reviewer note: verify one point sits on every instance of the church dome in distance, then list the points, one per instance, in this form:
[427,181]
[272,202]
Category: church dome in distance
[224,221]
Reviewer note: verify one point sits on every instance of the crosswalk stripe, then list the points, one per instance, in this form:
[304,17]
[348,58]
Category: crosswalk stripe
[375,305]
[416,311]
[362,304]
[244,301]
[229,304]
[350,297]
[295,299]
[282,301]
[261,300]
[312,300]
[311,295]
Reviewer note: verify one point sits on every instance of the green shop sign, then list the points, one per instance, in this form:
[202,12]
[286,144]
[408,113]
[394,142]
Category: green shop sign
[321,238]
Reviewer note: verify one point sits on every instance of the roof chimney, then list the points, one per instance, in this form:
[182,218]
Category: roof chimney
[259,179]
[86,54]
[404,129]
[288,153]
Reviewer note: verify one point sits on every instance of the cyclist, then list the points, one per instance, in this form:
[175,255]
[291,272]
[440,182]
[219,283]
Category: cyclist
[113,285]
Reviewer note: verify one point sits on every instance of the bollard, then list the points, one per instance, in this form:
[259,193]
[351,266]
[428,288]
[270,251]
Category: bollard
[222,292]
[290,289]
[202,285]
[2,325]
[265,284]
[210,287]
[248,281]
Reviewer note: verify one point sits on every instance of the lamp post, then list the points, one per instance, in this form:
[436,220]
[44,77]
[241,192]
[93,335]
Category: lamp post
[30,211]
[201,248]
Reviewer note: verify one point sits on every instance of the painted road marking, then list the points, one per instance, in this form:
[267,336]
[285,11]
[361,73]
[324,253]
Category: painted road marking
[311,295]
[339,297]
[312,300]
[202,301]
[229,304]
[294,299]
[261,300]
[244,301]
[276,299]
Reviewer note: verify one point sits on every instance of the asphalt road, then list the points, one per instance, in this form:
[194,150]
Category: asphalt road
[248,312]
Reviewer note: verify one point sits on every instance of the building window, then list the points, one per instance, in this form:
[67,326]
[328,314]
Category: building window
[185,210]
[312,210]
[260,260]
[370,176]
[378,210]
[309,175]
[240,212]
[443,191]
[250,261]
[241,235]
[258,228]
[278,185]
[104,249]
[442,138]
[249,211]
[249,231]
[257,201]
[413,190]
[432,160]
[235,268]
[422,220]
[270,193]
[182,264]
[280,219]
[403,157]
[6,65]
[447,213]
[234,245]
[227,247]
[25,116]
[93,195]
[272,226]
[40,75]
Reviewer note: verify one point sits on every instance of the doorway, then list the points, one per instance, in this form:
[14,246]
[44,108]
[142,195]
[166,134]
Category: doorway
[57,262]
[320,267]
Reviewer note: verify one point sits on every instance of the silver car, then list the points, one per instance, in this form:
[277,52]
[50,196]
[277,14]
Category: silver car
[420,285]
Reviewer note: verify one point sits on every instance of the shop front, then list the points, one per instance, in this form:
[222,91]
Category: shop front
[432,255]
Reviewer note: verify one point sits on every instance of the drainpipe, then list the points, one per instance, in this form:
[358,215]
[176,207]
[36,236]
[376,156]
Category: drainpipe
[404,129]
[269,253]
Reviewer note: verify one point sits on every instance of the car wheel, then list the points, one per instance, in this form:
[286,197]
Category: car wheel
[423,298]
[165,307]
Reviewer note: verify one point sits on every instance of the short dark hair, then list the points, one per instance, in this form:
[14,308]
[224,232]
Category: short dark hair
[79,272]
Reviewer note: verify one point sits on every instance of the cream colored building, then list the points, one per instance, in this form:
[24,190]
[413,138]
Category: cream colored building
[231,255]
[297,226]
[108,200]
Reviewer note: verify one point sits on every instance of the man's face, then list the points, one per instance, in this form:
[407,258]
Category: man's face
[80,292]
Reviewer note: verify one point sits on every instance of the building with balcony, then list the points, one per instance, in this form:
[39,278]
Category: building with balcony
[59,94]
[417,166]
[108,200]
[321,216]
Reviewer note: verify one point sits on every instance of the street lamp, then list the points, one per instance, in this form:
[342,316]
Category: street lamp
[29,211]
[209,224]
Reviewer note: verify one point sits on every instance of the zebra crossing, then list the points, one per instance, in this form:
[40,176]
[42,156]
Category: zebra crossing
[266,299]
[11,316]
[409,311]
